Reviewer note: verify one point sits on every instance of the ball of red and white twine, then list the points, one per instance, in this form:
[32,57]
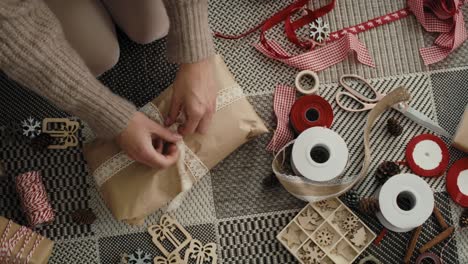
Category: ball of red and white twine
[34,199]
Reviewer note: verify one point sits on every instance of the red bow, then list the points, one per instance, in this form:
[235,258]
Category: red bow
[444,17]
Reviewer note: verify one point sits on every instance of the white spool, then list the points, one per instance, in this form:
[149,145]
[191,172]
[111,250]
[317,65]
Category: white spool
[416,191]
[315,87]
[319,154]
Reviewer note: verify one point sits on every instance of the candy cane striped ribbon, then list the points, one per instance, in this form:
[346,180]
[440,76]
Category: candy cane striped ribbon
[7,245]
[34,199]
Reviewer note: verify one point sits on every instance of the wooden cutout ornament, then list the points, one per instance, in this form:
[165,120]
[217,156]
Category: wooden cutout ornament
[343,250]
[62,129]
[293,236]
[165,232]
[324,237]
[349,223]
[359,238]
[201,254]
[309,220]
[327,205]
[172,259]
[310,253]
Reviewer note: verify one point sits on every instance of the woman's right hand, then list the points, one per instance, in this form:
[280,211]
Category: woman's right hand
[143,140]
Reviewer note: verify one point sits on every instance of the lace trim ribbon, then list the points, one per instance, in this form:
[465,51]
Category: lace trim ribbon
[197,169]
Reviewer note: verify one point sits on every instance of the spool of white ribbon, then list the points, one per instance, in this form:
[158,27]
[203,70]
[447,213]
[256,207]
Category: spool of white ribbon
[406,201]
[319,154]
[301,89]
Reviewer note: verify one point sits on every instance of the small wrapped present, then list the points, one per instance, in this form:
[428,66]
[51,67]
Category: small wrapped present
[132,190]
[19,244]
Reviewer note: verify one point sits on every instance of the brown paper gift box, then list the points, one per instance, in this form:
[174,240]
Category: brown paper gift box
[41,254]
[136,191]
[460,140]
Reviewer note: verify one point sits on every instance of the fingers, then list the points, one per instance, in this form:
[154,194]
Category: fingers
[191,124]
[205,123]
[150,157]
[159,131]
[173,112]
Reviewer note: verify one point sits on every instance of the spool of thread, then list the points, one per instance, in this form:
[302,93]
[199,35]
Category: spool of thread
[406,201]
[34,199]
[427,155]
[301,89]
[457,182]
[319,154]
[425,256]
[310,111]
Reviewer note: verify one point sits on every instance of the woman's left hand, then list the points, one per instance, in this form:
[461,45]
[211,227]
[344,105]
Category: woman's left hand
[194,93]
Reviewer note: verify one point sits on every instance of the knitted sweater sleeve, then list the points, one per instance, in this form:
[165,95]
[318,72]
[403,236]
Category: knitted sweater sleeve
[35,53]
[190,38]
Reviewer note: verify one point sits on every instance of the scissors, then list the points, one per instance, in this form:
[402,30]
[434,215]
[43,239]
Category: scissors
[367,103]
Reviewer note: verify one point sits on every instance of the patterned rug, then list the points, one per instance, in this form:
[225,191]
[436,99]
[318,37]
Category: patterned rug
[232,207]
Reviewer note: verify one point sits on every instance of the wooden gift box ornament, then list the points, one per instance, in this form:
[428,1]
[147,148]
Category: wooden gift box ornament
[132,190]
[326,232]
[19,244]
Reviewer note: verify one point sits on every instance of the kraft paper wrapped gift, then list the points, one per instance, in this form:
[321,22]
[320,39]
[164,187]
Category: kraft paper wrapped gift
[460,140]
[132,190]
[40,254]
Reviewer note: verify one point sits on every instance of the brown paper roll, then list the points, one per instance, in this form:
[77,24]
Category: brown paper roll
[41,254]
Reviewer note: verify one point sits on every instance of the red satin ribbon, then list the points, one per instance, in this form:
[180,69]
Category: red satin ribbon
[440,169]
[452,182]
[322,113]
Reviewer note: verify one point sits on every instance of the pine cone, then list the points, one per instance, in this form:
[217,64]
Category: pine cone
[386,170]
[394,127]
[351,198]
[83,216]
[464,219]
[369,205]
[41,142]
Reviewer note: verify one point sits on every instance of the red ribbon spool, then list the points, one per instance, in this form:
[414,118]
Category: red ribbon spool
[310,111]
[452,182]
[437,171]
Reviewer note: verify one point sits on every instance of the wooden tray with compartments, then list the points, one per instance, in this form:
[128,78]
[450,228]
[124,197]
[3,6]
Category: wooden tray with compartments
[326,232]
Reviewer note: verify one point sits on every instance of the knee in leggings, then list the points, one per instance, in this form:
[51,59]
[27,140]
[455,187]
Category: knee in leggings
[148,33]
[105,59]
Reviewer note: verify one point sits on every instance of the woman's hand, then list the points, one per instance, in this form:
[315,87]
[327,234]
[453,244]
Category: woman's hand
[143,141]
[195,94]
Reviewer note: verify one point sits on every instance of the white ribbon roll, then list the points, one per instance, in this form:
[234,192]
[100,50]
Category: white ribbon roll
[301,89]
[406,201]
[319,154]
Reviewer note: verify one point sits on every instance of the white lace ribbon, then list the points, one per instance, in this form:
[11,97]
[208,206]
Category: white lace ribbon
[197,169]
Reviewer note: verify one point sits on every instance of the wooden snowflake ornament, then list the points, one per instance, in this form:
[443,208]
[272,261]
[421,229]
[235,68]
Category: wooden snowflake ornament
[324,237]
[350,223]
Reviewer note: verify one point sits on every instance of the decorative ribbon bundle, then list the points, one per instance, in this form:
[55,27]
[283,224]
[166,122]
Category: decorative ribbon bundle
[309,190]
[439,16]
[132,190]
[19,244]
[34,199]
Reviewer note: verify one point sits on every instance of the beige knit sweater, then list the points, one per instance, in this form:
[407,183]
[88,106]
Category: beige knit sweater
[34,52]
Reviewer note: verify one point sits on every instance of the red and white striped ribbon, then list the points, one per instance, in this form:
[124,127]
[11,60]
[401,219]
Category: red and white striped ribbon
[285,97]
[34,199]
[7,244]
[444,17]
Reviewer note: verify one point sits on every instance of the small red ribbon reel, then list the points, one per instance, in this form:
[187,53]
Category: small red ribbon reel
[427,155]
[310,111]
[457,182]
